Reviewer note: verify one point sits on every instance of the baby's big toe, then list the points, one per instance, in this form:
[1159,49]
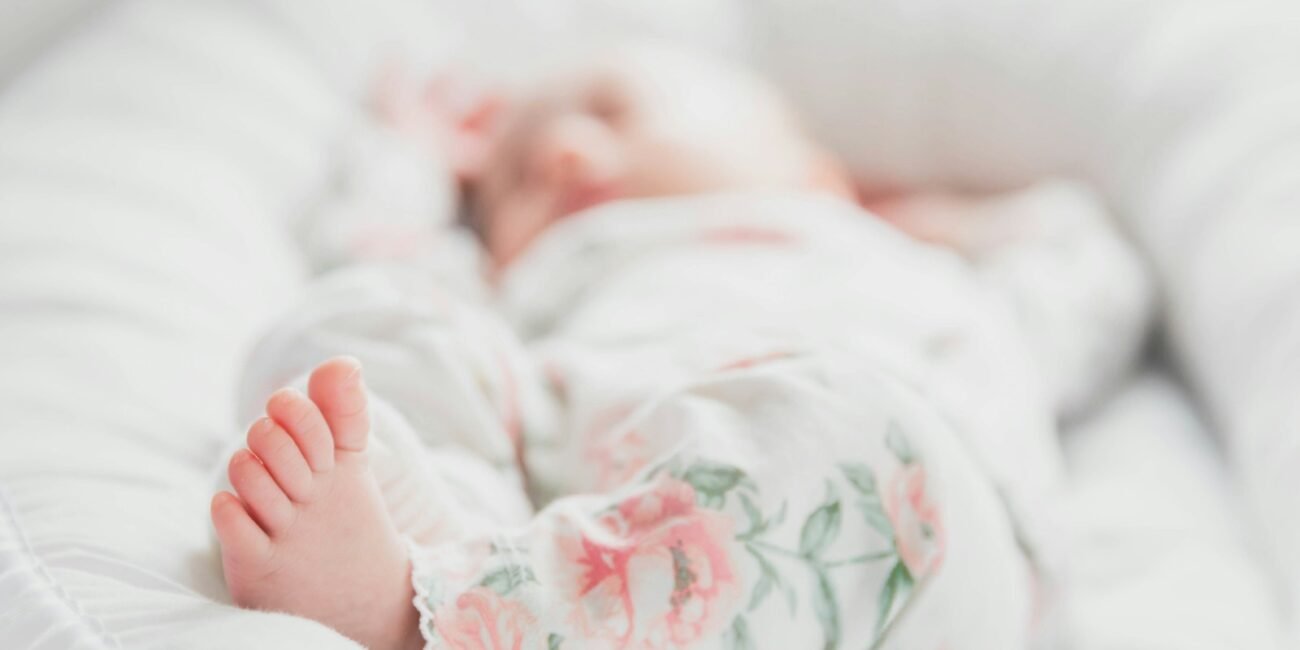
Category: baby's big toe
[336,388]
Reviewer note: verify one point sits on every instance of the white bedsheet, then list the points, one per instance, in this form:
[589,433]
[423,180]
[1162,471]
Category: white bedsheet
[147,170]
[1161,552]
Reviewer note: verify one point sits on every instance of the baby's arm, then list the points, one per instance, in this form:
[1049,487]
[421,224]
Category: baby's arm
[1079,290]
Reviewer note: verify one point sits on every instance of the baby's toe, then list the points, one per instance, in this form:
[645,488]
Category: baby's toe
[266,502]
[336,388]
[239,535]
[282,458]
[300,418]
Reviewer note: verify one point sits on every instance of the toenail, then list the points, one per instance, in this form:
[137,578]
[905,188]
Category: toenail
[288,392]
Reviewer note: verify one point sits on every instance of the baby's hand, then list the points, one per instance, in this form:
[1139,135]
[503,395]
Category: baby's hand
[967,224]
[441,114]
[403,103]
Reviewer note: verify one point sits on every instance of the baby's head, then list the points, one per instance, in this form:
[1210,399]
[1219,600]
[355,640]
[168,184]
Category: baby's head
[640,122]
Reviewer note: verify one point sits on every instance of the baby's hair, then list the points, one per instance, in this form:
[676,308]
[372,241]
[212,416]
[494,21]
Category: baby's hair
[469,214]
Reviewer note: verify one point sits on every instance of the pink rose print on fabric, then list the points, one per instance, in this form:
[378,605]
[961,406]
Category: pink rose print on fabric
[657,573]
[904,512]
[918,528]
[481,619]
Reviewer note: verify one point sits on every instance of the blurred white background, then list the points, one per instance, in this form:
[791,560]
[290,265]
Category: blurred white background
[26,26]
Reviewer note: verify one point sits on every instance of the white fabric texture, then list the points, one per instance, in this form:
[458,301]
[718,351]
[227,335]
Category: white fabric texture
[147,167]
[144,175]
[1159,540]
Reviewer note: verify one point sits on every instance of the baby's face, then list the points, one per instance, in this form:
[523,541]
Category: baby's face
[642,123]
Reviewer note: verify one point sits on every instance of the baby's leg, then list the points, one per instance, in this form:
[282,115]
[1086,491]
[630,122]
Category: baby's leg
[792,503]
[306,531]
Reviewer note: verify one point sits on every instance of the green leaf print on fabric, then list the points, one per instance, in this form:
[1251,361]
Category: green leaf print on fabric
[761,589]
[507,578]
[768,579]
[709,511]
[758,525]
[739,636]
[712,482]
[753,514]
[896,588]
[827,609]
[818,533]
[897,442]
[873,510]
[763,536]
[860,476]
[820,530]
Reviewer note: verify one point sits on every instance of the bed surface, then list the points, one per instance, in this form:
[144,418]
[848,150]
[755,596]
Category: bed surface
[150,167]
[28,28]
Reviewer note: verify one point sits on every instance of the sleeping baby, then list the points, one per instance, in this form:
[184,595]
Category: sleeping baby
[706,399]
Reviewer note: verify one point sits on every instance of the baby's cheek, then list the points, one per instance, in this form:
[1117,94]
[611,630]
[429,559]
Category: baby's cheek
[689,174]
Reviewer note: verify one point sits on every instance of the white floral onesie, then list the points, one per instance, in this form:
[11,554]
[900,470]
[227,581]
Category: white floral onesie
[737,421]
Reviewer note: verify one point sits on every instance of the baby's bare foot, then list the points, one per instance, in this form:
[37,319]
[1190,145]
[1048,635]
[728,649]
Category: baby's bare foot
[308,533]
